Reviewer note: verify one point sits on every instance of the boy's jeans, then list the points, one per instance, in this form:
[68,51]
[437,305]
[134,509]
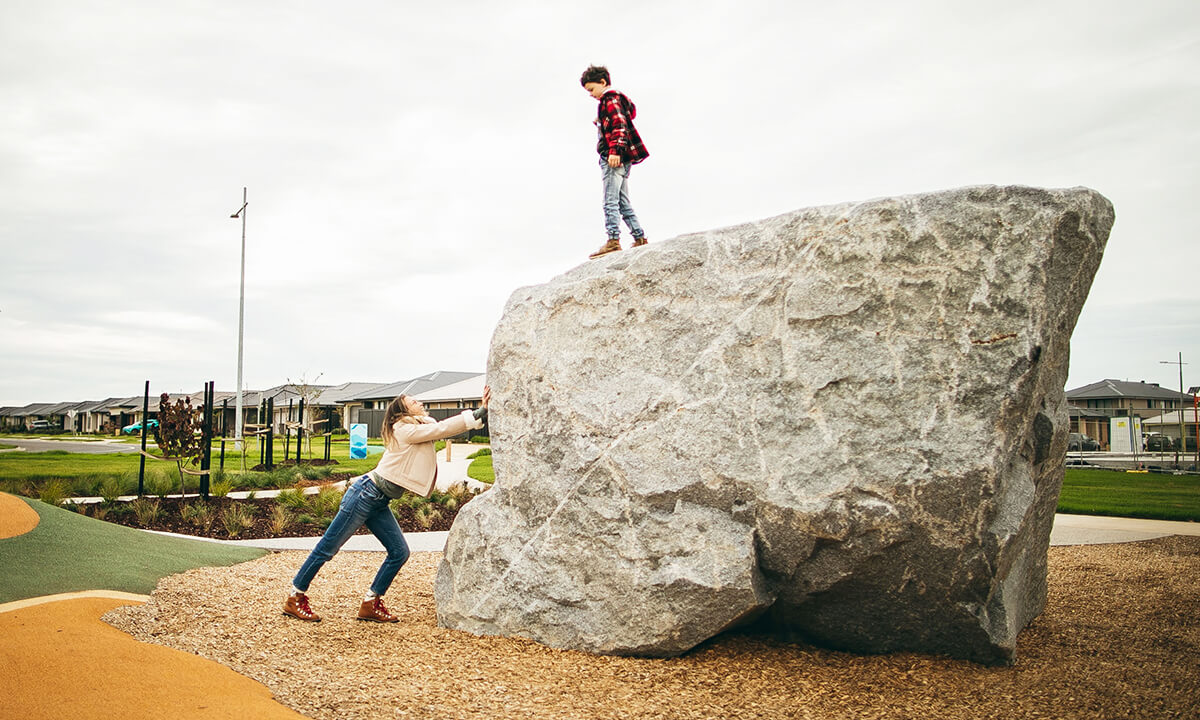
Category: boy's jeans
[362,503]
[616,201]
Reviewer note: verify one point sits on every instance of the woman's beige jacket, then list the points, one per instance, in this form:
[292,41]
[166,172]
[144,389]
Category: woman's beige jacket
[409,459]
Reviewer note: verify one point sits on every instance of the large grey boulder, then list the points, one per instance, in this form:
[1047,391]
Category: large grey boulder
[847,422]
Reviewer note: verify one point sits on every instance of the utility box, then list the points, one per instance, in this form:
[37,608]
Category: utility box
[1125,434]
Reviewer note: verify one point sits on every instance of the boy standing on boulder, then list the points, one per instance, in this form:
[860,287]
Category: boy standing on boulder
[620,147]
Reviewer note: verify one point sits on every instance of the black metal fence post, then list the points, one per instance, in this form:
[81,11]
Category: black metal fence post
[270,433]
[145,422]
[299,431]
[206,435]
[287,433]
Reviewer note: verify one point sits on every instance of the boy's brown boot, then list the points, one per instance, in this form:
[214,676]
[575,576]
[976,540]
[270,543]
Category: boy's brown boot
[297,606]
[374,611]
[638,242]
[610,246]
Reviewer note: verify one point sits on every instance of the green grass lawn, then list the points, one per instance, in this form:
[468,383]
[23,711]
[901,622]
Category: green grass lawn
[481,469]
[68,552]
[22,472]
[1087,491]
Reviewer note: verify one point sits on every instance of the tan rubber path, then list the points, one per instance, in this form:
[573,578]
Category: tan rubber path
[16,517]
[60,660]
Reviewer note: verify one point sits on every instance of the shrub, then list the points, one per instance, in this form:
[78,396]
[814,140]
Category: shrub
[294,499]
[427,515]
[325,503]
[159,484]
[86,485]
[312,472]
[220,488]
[199,514]
[53,492]
[411,500]
[322,521]
[237,518]
[280,520]
[481,452]
[82,486]
[100,512]
[216,476]
[146,511]
[481,439]
[111,489]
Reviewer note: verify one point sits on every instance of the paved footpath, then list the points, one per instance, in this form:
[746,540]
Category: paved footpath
[1068,530]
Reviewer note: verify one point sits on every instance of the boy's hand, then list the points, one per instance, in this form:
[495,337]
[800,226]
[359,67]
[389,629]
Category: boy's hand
[614,161]
[487,395]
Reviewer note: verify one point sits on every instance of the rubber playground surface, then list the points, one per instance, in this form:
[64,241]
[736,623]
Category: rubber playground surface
[1119,621]
[59,573]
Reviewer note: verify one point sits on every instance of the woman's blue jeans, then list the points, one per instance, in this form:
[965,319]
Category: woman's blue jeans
[362,504]
[616,201]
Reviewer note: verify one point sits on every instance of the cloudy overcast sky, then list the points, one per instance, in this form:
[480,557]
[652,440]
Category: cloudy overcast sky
[410,164]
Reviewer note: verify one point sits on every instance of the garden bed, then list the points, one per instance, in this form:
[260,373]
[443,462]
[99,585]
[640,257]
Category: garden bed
[225,518]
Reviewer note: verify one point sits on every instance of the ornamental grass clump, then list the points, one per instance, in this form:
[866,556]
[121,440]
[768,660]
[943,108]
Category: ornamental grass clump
[53,492]
[280,519]
[146,511]
[237,518]
[111,489]
[220,488]
[200,515]
[427,515]
[325,503]
[158,484]
[294,499]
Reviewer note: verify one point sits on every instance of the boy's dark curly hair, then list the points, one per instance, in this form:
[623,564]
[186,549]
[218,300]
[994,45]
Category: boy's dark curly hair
[595,73]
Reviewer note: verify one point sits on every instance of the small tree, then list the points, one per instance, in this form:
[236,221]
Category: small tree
[179,433]
[309,391]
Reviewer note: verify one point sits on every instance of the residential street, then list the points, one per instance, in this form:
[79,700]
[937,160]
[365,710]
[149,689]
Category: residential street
[96,447]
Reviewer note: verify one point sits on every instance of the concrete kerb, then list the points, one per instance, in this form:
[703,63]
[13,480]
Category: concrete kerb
[1067,530]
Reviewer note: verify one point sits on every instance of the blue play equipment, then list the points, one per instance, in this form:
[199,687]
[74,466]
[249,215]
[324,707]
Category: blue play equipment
[358,441]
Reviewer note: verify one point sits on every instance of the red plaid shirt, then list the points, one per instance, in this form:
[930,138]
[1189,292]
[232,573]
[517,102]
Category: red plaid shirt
[618,136]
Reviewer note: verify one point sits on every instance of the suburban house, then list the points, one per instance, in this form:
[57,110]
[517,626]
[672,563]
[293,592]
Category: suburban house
[368,407]
[1093,406]
[326,407]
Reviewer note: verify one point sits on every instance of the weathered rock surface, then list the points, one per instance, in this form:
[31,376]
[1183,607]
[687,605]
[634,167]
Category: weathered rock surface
[847,422]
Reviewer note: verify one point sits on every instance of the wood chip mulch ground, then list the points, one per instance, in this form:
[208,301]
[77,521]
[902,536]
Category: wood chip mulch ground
[1119,638]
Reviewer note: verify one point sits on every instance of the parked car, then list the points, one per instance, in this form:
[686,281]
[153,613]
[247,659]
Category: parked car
[137,427]
[1079,441]
[41,426]
[1157,442]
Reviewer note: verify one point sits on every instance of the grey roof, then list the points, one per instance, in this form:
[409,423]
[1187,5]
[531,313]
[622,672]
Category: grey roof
[36,409]
[1076,411]
[416,386]
[341,393]
[1108,389]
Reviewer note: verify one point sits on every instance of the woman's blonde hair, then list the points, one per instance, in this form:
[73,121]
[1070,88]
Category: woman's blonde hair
[397,411]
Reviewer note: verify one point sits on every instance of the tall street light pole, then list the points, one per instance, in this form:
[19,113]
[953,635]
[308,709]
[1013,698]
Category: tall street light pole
[1182,436]
[237,443]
